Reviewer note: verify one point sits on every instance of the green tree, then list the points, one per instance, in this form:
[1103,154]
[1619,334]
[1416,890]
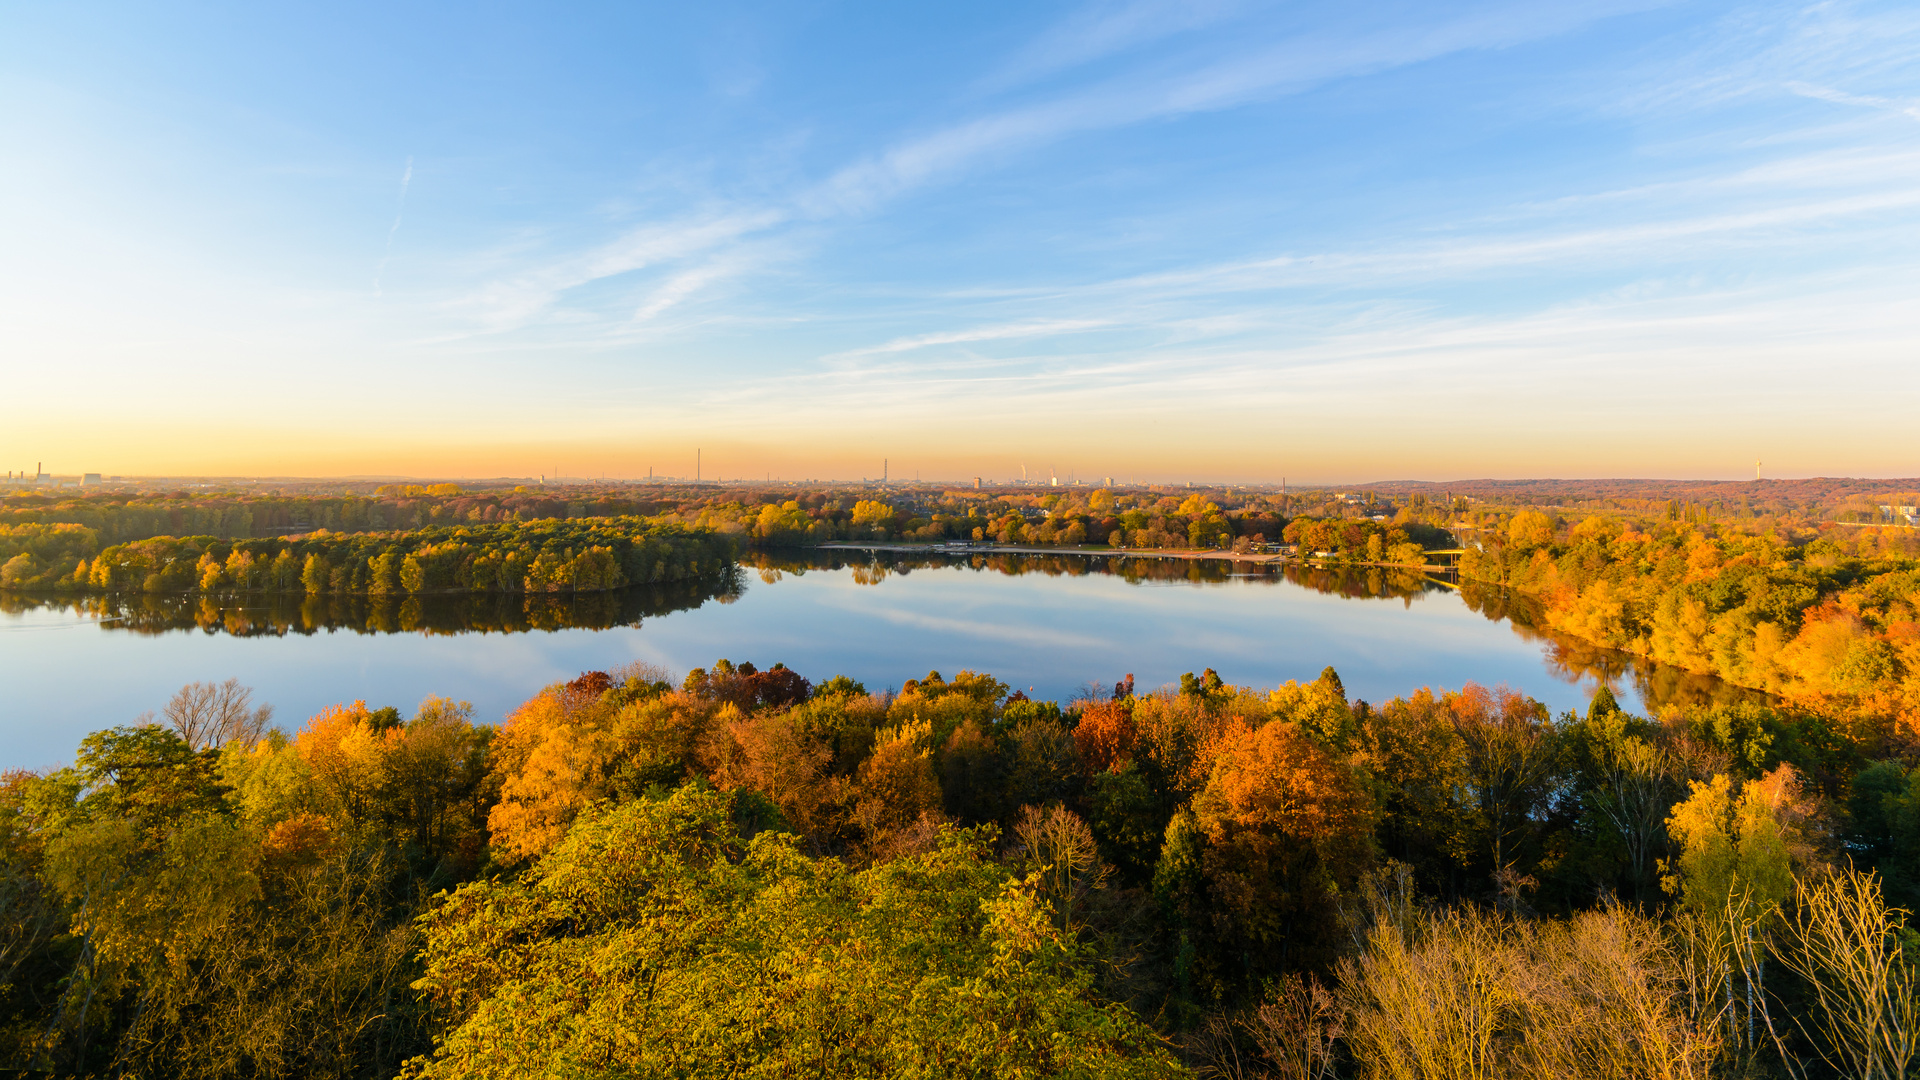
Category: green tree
[714,955]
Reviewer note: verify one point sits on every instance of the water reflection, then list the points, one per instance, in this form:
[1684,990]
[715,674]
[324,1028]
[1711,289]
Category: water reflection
[269,615]
[279,614]
[871,568]
[1573,660]
[1569,659]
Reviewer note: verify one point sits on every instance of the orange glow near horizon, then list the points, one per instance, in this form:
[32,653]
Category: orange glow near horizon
[1306,456]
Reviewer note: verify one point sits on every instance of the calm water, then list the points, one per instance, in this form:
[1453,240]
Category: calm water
[1048,625]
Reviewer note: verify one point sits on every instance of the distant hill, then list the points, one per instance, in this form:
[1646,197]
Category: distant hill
[1809,494]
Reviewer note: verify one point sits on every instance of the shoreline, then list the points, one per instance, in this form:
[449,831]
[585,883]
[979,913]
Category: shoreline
[1189,554]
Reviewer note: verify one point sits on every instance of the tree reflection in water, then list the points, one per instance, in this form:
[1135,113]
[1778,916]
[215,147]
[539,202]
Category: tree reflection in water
[1573,660]
[276,614]
[263,614]
[1568,659]
[871,568]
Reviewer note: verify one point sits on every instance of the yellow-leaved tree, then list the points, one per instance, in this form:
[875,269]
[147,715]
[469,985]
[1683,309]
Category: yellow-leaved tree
[1738,844]
[579,742]
[656,940]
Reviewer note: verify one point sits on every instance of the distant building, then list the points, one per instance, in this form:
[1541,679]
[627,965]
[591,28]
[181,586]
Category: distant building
[89,478]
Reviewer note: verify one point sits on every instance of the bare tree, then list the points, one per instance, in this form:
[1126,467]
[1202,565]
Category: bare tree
[1471,994]
[1062,848]
[1845,942]
[1298,1027]
[208,716]
[1637,793]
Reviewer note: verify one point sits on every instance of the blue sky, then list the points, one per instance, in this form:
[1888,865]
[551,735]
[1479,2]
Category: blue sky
[1203,240]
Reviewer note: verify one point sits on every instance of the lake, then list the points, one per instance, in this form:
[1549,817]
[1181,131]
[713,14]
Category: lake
[1053,626]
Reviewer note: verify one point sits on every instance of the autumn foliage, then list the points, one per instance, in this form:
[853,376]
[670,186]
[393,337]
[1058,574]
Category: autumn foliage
[745,869]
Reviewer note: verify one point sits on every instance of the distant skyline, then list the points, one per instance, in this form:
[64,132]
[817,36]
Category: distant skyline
[1203,240]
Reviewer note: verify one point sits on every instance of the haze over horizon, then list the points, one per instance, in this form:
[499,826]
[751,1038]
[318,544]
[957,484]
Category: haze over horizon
[1157,241]
[1040,479]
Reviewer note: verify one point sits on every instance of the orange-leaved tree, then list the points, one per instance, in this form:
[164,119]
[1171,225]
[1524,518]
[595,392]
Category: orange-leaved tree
[1284,825]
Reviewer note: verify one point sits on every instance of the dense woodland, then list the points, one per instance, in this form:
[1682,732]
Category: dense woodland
[78,527]
[1825,618]
[546,556]
[745,872]
[1807,500]
[1154,515]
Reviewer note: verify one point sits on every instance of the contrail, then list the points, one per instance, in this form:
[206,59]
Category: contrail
[399,211]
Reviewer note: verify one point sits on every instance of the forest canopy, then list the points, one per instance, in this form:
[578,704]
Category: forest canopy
[745,871]
[559,555]
[1828,621]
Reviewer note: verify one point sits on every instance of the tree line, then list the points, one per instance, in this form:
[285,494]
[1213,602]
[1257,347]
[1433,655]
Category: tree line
[775,516]
[1770,502]
[1348,530]
[1102,517]
[745,871]
[119,517]
[548,556]
[787,514]
[1827,620]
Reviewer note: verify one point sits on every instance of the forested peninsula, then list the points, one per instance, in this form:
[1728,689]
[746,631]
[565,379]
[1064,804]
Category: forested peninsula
[546,556]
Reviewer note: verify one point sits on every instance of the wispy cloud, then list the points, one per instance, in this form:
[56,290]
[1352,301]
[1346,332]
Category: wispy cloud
[1756,50]
[1243,74]
[514,302]
[399,211]
[677,288]
[1643,241]
[1908,108]
[1662,348]
[1679,290]
[1204,311]
[1249,73]
[1027,329]
[1014,635]
[1103,29]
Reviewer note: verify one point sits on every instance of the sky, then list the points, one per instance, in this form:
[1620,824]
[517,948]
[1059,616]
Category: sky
[1207,240]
